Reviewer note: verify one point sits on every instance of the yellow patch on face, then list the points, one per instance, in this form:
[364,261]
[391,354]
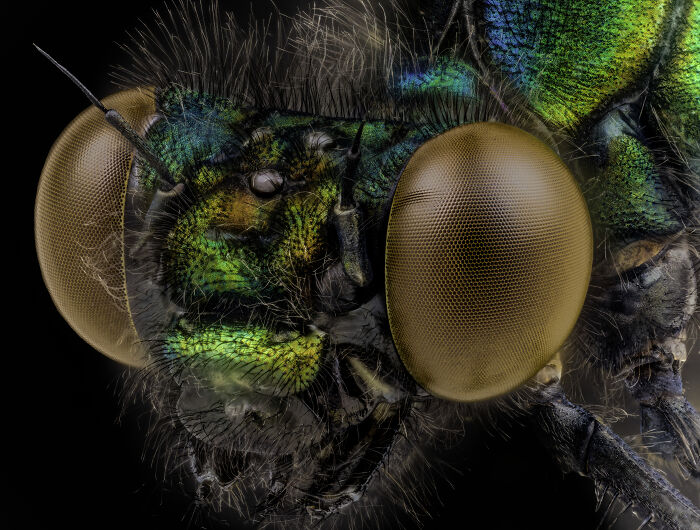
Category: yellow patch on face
[242,211]
[305,217]
[310,167]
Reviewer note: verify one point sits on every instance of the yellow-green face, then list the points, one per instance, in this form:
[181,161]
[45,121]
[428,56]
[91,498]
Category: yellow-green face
[252,240]
[253,237]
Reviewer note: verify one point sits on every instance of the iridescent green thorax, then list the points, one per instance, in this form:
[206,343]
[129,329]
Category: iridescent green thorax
[628,198]
[677,93]
[572,56]
[251,355]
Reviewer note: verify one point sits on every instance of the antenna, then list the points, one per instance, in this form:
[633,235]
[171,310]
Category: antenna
[353,156]
[117,121]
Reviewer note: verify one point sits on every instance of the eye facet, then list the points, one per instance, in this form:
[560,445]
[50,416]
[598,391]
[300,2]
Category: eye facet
[79,225]
[488,258]
[266,182]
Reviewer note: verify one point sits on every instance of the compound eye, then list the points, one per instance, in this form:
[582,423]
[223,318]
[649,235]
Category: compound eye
[79,225]
[488,257]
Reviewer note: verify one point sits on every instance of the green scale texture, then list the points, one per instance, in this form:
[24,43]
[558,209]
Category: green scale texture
[571,57]
[196,126]
[677,93]
[252,355]
[232,245]
[206,264]
[628,198]
[446,75]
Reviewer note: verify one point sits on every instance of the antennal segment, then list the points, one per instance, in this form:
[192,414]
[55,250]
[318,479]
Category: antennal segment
[353,161]
[117,121]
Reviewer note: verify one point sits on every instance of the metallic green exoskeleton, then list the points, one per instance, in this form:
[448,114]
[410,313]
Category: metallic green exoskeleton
[255,266]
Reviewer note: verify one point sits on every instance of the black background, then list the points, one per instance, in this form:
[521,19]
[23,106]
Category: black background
[73,463]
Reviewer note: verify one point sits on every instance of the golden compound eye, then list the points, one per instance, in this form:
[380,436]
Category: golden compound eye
[79,225]
[488,258]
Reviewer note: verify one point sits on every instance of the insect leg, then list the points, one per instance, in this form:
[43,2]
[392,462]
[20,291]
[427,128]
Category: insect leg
[650,309]
[669,423]
[583,445]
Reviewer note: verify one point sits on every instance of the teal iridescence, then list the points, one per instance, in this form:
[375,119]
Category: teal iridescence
[197,126]
[628,198]
[571,57]
[447,76]
[379,173]
[376,134]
